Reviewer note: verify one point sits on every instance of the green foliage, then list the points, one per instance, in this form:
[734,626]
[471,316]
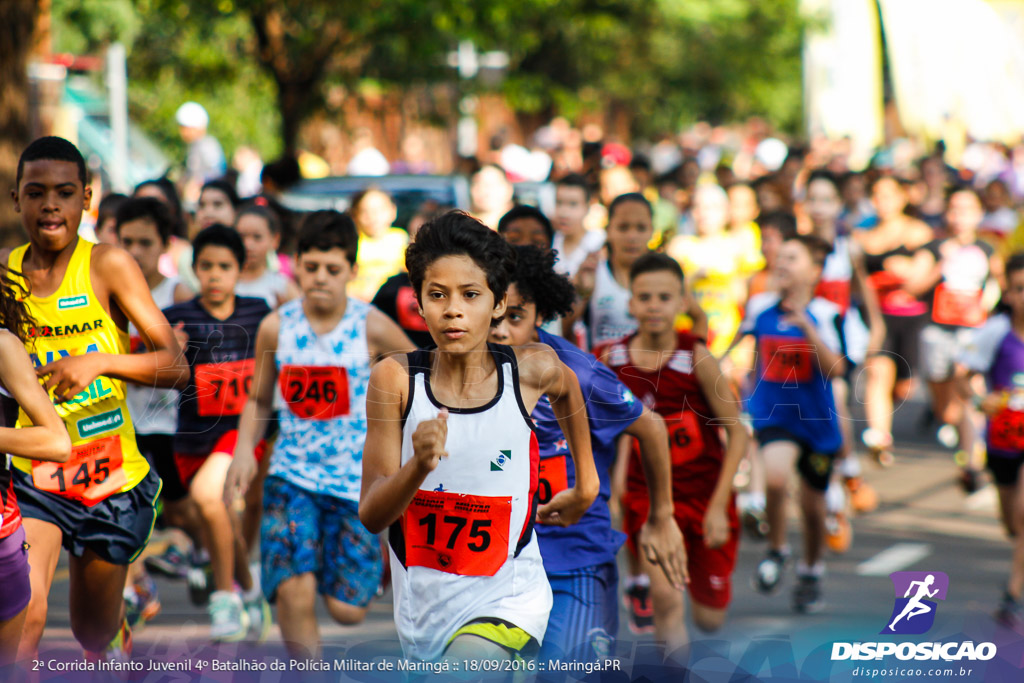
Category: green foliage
[250,62]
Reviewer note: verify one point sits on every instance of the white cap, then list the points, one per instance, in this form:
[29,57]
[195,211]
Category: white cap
[192,115]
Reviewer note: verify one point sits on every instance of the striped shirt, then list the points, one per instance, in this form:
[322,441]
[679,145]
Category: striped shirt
[217,354]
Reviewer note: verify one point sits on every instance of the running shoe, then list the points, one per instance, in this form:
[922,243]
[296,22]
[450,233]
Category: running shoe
[754,522]
[879,446]
[119,649]
[768,574]
[970,480]
[260,619]
[807,594]
[1010,614]
[173,563]
[641,612]
[948,436]
[200,580]
[142,602]
[838,532]
[229,620]
[863,497]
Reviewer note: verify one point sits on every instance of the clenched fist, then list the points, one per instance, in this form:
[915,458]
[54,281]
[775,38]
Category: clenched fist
[429,439]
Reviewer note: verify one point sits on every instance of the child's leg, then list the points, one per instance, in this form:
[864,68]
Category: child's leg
[812,505]
[878,392]
[296,614]
[474,647]
[779,459]
[708,619]
[352,561]
[207,489]
[669,608]
[254,502]
[1015,586]
[1007,502]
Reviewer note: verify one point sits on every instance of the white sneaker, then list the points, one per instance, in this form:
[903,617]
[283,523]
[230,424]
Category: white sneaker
[229,621]
[260,619]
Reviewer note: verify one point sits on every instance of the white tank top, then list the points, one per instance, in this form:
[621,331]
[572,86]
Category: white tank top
[465,549]
[154,411]
[270,287]
[609,317]
[837,274]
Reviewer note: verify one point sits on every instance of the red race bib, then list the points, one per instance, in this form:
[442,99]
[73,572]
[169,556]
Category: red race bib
[836,291]
[408,310]
[786,359]
[457,533]
[553,478]
[223,388]
[957,307]
[93,472]
[685,437]
[315,392]
[1006,430]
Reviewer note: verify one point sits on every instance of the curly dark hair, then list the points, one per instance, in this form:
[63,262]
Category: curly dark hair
[537,282]
[456,233]
[14,315]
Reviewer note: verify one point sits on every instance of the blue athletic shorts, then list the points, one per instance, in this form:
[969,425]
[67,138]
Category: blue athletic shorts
[584,618]
[116,529]
[310,532]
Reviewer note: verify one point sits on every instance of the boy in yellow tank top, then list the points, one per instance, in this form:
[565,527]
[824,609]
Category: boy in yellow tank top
[100,504]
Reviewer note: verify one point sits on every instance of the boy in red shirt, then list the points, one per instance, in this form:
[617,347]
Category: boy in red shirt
[675,375]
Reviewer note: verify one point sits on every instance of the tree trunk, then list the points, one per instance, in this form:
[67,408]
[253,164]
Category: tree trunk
[17,27]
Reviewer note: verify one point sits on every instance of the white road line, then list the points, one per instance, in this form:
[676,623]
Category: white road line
[899,556]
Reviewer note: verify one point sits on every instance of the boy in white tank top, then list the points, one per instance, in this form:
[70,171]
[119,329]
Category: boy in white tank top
[466,567]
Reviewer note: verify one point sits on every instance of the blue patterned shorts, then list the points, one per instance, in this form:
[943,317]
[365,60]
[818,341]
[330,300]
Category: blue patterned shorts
[309,532]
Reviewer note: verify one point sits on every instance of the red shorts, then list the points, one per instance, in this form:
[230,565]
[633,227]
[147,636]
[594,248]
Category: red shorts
[710,568]
[189,463]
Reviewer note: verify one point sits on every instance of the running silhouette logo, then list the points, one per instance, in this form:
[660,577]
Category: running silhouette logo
[916,593]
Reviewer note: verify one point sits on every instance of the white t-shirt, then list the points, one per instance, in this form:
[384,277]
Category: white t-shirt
[570,262]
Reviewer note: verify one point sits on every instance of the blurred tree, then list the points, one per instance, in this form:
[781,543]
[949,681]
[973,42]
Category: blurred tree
[261,66]
[17,30]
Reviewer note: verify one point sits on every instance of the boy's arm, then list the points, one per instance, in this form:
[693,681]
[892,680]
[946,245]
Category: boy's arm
[660,537]
[163,366]
[384,337]
[388,486]
[252,423]
[540,368]
[47,438]
[830,363]
[715,387]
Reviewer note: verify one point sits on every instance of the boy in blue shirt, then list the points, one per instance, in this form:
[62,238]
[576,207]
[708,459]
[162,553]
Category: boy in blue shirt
[580,559]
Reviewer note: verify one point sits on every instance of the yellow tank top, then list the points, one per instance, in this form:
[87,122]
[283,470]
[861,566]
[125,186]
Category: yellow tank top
[105,458]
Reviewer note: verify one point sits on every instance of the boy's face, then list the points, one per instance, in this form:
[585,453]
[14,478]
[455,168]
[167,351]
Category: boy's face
[742,205]
[629,230]
[217,270]
[323,276]
[794,266]
[710,210]
[457,304]
[519,325]
[141,239]
[51,199]
[1013,295]
[771,242]
[823,203]
[525,232]
[570,208]
[657,300]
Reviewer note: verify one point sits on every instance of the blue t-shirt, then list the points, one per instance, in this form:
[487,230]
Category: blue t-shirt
[611,409]
[790,392]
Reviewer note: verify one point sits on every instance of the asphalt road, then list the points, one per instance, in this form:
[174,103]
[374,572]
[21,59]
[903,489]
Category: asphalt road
[925,522]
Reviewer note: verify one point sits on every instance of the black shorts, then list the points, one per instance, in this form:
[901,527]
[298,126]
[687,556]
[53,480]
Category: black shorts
[903,342]
[159,451]
[1005,469]
[814,468]
[116,529]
